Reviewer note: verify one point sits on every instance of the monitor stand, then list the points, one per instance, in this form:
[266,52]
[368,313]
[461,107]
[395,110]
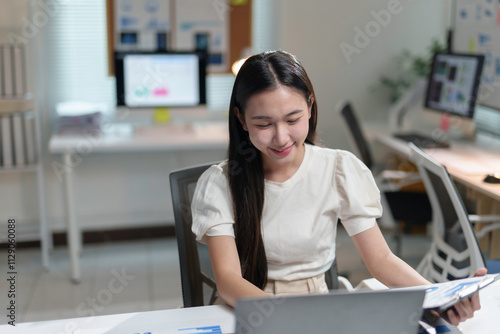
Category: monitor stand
[406,105]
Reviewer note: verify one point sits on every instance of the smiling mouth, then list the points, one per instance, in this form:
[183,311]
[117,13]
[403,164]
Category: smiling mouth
[284,151]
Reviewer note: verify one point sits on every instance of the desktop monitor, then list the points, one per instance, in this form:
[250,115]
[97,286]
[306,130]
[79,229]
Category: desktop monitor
[452,91]
[160,79]
[487,120]
[453,83]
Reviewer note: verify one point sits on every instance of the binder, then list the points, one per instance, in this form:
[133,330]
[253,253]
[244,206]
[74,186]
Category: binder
[18,134]
[19,71]
[29,131]
[7,158]
[8,79]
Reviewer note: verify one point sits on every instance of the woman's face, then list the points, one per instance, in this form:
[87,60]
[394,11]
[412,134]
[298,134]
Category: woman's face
[277,122]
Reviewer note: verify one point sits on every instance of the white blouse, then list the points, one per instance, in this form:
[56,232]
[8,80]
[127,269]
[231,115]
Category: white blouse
[299,218]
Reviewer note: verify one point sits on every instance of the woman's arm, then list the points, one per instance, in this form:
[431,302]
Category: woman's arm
[227,271]
[392,271]
[382,263]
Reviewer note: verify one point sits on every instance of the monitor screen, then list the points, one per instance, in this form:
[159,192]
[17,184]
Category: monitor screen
[454,82]
[173,79]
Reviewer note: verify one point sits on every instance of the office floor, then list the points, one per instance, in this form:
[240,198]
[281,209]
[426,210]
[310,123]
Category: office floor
[132,276]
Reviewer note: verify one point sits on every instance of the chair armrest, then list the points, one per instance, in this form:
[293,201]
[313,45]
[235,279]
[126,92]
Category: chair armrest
[370,284]
[399,175]
[344,283]
[484,218]
[493,219]
[394,180]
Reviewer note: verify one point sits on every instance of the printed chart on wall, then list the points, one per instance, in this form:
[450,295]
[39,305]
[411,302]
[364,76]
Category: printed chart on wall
[477,30]
[204,25]
[141,25]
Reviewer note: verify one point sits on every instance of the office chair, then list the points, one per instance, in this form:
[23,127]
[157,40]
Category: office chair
[402,204]
[334,281]
[197,279]
[454,252]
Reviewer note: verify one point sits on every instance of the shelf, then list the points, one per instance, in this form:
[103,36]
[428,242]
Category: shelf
[17,169]
[21,134]
[16,105]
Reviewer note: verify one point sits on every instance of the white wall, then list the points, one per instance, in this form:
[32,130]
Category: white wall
[314,31]
[129,188]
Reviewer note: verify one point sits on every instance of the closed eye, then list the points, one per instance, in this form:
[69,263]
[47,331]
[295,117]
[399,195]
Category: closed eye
[293,121]
[262,126]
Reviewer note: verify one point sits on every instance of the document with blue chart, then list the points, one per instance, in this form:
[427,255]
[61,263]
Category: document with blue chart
[440,296]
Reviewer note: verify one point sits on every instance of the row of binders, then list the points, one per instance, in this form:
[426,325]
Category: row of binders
[17,135]
[12,71]
[17,124]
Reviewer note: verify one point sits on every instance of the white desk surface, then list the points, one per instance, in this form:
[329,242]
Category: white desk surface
[467,161]
[485,320]
[161,137]
[154,322]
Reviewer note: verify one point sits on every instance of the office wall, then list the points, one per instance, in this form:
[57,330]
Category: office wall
[316,30]
[130,189]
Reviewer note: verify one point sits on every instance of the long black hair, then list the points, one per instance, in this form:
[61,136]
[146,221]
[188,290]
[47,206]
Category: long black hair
[262,72]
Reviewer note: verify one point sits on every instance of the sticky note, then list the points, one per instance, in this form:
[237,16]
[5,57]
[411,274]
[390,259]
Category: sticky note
[471,45]
[162,115]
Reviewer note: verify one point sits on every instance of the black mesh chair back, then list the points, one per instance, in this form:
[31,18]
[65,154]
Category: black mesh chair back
[454,252]
[331,277]
[197,280]
[356,133]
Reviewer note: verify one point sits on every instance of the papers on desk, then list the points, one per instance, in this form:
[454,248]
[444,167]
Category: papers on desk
[201,330]
[441,296]
[79,118]
[207,319]
[467,160]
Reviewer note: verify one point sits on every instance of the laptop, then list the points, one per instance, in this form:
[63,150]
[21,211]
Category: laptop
[381,311]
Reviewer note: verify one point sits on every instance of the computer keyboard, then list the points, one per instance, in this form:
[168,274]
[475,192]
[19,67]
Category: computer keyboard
[421,140]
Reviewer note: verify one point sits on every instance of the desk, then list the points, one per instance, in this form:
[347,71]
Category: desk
[122,138]
[154,322]
[480,157]
[170,321]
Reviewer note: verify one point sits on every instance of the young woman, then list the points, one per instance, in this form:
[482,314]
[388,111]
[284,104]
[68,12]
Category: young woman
[269,212]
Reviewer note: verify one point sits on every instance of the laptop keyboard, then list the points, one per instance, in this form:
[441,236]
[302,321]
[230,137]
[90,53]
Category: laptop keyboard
[421,141]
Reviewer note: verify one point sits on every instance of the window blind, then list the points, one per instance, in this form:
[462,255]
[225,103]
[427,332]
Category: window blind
[77,53]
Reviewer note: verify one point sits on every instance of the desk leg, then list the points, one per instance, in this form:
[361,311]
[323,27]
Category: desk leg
[495,235]
[73,233]
[490,243]
[47,243]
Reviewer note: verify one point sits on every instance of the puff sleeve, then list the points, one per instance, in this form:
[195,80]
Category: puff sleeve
[359,195]
[211,206]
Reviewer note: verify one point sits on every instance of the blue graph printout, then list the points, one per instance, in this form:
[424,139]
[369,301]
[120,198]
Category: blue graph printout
[443,295]
[201,330]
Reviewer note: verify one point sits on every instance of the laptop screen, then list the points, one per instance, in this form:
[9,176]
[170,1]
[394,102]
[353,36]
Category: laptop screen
[384,311]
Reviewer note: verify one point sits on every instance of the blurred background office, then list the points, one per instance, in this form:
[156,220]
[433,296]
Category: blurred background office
[346,47]
[341,43]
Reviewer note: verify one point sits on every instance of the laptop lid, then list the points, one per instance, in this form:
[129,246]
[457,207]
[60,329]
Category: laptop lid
[384,311]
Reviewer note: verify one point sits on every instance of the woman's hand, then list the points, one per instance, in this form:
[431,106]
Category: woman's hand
[464,309]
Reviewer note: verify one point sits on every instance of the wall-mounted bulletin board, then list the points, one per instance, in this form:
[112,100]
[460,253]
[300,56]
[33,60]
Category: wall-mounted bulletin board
[221,27]
[477,30]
